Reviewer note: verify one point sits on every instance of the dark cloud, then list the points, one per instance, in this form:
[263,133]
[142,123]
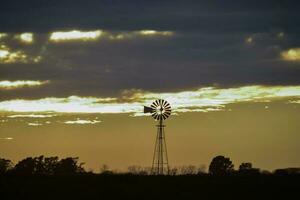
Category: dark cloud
[209,47]
[209,15]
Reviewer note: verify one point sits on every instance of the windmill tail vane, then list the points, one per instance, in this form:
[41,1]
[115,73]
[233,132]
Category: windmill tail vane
[160,111]
[148,109]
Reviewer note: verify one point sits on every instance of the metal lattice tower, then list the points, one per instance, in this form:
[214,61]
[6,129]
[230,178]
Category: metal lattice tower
[160,110]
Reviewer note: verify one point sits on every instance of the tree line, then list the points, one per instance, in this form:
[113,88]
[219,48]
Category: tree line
[41,165]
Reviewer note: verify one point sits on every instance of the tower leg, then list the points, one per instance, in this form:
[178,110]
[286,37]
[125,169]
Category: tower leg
[160,163]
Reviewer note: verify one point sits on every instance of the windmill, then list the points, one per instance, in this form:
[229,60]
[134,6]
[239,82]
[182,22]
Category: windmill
[160,110]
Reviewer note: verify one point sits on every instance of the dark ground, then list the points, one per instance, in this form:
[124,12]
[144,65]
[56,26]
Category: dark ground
[149,187]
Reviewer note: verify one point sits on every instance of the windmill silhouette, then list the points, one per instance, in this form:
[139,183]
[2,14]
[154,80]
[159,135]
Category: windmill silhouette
[160,110]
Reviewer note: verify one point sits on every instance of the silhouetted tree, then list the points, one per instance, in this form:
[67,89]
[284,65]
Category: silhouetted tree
[69,166]
[266,172]
[287,171]
[247,169]
[50,165]
[188,170]
[39,165]
[201,169]
[173,171]
[104,169]
[5,165]
[245,166]
[135,169]
[31,165]
[221,165]
[26,166]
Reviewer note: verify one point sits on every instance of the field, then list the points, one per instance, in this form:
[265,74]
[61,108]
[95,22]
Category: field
[93,186]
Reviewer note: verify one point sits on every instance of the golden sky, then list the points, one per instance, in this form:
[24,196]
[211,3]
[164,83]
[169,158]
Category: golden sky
[75,83]
[264,133]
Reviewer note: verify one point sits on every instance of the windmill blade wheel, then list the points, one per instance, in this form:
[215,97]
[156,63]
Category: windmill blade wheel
[161,109]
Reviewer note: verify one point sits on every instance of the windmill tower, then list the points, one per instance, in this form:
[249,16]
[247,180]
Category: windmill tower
[160,110]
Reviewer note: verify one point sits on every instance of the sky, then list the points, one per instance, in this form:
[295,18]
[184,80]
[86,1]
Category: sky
[75,75]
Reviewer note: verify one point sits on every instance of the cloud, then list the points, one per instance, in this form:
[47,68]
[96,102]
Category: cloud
[80,121]
[189,15]
[249,40]
[280,34]
[202,100]
[295,101]
[135,34]
[25,37]
[7,85]
[291,54]
[204,46]
[3,35]
[155,33]
[31,116]
[72,104]
[7,138]
[34,124]
[127,35]
[75,35]
[8,56]
[92,35]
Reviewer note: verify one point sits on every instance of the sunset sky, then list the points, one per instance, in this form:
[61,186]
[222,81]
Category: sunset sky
[75,75]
